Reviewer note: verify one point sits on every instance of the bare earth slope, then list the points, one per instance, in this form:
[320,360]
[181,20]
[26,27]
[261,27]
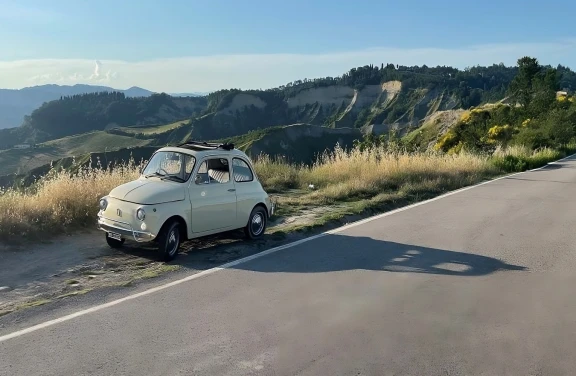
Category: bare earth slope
[478,282]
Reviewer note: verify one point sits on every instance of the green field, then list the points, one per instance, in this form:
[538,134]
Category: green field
[154,129]
[93,142]
[23,160]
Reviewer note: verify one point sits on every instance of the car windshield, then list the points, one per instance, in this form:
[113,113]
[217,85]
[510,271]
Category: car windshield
[170,165]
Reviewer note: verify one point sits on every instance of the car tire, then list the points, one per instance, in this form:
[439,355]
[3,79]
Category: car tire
[113,243]
[169,241]
[257,222]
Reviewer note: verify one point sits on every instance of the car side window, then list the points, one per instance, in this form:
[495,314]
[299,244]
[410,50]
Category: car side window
[213,171]
[241,170]
[202,174]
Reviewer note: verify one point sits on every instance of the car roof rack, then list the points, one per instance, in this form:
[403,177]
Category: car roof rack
[203,145]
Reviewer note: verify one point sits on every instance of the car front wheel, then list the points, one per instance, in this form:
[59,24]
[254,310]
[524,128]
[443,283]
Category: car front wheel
[256,223]
[169,241]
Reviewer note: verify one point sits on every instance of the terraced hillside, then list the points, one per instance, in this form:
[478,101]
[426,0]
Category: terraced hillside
[21,161]
[296,143]
[153,130]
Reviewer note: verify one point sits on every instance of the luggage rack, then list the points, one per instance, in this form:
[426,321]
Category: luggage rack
[197,145]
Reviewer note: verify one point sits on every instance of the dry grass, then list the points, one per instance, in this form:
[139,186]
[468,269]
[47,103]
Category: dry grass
[345,176]
[60,201]
[520,158]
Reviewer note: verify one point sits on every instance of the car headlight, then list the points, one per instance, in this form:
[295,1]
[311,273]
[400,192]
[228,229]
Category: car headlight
[103,204]
[140,214]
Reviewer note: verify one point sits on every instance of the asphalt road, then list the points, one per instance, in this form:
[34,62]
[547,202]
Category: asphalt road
[477,283]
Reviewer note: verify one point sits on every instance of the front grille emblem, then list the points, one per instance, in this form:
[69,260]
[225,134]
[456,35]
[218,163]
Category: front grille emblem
[119,212]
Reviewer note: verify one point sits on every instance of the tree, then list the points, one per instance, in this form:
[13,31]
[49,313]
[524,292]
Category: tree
[521,86]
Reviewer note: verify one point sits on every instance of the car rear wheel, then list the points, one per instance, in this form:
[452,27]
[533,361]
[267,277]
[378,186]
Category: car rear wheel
[169,241]
[114,243]
[256,223]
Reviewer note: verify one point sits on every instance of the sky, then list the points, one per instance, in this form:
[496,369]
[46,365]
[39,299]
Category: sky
[200,46]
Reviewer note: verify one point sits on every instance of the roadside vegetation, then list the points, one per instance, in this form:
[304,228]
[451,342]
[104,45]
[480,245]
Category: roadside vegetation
[351,181]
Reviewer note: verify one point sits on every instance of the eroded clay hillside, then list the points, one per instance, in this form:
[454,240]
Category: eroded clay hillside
[379,107]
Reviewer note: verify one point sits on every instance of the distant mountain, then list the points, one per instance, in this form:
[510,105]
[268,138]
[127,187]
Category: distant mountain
[15,104]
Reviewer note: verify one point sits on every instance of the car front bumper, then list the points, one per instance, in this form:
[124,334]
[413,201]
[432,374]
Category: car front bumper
[123,228]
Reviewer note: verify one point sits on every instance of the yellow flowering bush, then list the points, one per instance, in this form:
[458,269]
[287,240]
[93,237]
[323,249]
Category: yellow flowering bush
[465,118]
[446,141]
[499,133]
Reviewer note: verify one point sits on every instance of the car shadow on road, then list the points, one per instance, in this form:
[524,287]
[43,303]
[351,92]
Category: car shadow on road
[542,180]
[556,166]
[206,252]
[333,253]
[329,253]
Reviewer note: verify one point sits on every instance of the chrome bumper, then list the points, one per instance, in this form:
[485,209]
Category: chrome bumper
[139,236]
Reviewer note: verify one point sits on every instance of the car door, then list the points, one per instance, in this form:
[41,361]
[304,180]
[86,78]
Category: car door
[246,188]
[213,196]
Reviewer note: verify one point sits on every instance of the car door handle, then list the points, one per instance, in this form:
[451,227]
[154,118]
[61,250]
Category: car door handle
[231,190]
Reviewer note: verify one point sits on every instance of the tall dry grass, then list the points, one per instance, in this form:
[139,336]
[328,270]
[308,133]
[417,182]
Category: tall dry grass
[59,201]
[348,175]
[521,158]
[62,201]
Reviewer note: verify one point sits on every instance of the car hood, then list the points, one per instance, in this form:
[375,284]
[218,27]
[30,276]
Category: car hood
[149,192]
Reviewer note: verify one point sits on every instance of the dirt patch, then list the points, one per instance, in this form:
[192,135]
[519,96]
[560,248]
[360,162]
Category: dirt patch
[303,218]
[392,87]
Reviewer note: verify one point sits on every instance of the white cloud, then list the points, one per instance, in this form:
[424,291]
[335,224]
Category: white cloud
[60,71]
[206,73]
[96,74]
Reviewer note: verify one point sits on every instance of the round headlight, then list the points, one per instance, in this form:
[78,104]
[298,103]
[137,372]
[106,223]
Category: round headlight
[103,204]
[140,214]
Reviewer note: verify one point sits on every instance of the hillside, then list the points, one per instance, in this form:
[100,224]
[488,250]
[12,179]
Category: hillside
[377,98]
[83,113]
[73,163]
[296,143]
[23,160]
[15,104]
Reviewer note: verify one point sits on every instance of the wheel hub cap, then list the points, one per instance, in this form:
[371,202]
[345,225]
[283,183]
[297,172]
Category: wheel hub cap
[257,224]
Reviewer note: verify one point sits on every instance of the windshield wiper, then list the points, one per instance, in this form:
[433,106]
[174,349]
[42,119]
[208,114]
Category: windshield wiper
[177,178]
[154,174]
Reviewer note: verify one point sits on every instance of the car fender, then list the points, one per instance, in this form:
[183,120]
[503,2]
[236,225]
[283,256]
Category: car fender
[157,215]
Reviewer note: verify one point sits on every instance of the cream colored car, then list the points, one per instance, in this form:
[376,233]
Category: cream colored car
[186,192]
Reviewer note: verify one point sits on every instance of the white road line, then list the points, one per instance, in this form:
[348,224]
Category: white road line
[249,258]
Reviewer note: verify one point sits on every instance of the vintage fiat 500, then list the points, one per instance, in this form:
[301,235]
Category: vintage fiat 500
[186,192]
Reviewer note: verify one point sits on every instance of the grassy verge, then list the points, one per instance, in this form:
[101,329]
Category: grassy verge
[347,182]
[517,159]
